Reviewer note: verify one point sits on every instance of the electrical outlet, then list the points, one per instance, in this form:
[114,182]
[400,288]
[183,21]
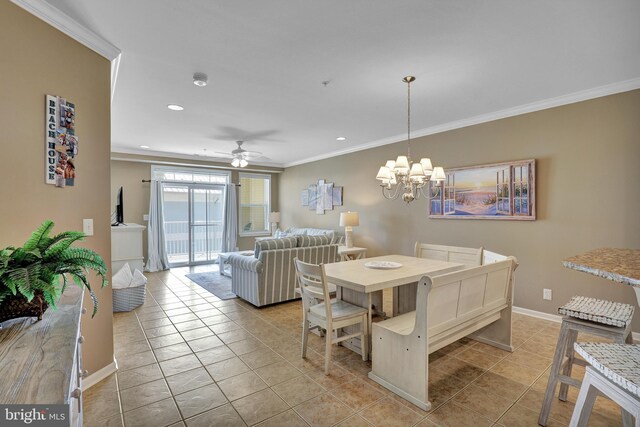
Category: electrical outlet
[546,294]
[87,226]
[145,217]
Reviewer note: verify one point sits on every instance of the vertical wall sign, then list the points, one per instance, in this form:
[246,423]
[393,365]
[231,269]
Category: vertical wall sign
[61,147]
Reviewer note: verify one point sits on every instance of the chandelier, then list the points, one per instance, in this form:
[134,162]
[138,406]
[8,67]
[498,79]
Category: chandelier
[404,176]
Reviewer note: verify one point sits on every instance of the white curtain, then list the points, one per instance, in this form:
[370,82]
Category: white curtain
[230,232]
[158,259]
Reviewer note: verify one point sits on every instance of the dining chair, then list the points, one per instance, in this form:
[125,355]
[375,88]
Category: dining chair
[330,315]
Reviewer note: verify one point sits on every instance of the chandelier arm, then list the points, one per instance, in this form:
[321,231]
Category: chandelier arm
[421,191]
[388,194]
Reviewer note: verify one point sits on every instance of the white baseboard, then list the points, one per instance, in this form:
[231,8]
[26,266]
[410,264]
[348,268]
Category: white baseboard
[557,319]
[99,375]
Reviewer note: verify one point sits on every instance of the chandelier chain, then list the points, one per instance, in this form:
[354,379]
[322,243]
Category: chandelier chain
[409,119]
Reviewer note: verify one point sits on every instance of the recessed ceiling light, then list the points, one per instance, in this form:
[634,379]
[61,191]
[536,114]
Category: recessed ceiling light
[175,107]
[144,146]
[341,138]
[200,79]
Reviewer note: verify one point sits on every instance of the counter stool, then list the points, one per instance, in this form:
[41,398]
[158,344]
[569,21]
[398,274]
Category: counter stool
[583,314]
[614,372]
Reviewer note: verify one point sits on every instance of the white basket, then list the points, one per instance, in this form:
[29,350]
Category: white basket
[126,299]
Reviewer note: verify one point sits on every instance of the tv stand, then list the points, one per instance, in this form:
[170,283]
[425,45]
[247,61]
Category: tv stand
[126,246]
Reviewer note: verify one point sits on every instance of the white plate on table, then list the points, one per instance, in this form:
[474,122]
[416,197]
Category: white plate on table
[383,265]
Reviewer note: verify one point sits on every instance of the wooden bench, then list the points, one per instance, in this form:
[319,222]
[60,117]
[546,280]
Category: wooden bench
[449,307]
[404,296]
[470,257]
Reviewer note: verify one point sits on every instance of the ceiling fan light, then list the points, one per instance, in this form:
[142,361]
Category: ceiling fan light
[243,163]
[235,163]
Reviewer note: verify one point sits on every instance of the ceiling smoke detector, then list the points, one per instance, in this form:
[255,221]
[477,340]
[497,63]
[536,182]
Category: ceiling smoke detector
[200,79]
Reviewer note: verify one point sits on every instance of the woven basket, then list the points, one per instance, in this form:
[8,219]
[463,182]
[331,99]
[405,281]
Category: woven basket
[16,306]
[126,299]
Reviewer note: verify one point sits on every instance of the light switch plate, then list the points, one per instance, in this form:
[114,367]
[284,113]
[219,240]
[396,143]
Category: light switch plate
[87,226]
[546,294]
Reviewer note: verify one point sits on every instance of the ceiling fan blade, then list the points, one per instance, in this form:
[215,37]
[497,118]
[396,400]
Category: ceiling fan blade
[225,155]
[251,154]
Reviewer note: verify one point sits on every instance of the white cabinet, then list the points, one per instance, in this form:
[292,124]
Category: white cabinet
[126,246]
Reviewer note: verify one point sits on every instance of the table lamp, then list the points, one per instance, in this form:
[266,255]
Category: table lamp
[349,220]
[274,219]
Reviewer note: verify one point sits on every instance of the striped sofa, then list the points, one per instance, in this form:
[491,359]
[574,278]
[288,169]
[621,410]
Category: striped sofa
[270,276]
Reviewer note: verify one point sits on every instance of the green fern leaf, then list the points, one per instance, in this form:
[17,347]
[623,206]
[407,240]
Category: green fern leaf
[26,290]
[10,284]
[41,233]
[61,242]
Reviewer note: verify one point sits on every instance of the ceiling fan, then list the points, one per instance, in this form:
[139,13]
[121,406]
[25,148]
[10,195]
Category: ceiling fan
[240,157]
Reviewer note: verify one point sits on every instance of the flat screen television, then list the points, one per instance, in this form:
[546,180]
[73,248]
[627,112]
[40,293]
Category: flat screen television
[119,209]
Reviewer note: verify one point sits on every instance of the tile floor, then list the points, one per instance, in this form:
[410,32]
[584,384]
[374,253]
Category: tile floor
[187,358]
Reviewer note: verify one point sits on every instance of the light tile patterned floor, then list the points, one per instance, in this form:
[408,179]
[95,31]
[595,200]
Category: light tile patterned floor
[188,358]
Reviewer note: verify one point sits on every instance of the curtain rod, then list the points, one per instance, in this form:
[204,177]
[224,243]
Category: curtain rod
[232,183]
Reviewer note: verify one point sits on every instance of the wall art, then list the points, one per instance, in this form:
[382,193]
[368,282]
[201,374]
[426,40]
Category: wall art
[495,191]
[321,197]
[61,149]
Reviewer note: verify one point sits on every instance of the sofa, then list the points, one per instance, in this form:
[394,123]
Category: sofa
[269,276]
[308,231]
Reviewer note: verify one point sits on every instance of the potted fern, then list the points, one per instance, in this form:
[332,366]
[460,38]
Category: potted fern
[34,276]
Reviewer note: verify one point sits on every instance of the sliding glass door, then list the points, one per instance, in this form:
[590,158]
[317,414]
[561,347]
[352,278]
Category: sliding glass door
[193,222]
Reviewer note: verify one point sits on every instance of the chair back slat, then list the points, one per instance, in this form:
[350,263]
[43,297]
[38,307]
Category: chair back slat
[313,285]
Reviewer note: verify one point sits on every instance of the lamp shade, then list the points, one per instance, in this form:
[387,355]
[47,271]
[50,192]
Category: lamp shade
[349,219]
[384,173]
[416,170]
[391,164]
[426,166]
[274,217]
[402,165]
[438,174]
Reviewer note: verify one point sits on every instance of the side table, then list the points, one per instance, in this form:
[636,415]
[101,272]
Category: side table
[349,254]
[223,258]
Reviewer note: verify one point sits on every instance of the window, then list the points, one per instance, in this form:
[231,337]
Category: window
[520,190]
[193,204]
[255,204]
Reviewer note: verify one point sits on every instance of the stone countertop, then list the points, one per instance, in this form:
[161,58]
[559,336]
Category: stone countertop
[619,265]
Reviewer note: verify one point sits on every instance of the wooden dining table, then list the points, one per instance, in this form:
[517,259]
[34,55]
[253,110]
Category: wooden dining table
[363,286]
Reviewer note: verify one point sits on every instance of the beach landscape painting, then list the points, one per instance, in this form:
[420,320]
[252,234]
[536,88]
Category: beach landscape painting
[495,191]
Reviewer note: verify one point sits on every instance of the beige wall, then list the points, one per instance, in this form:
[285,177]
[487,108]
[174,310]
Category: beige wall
[38,60]
[587,193]
[129,175]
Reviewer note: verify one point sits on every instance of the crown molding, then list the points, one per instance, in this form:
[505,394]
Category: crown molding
[69,26]
[173,162]
[584,95]
[72,28]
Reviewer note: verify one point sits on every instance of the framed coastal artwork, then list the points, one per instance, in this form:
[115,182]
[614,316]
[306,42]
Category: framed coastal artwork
[321,197]
[497,191]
